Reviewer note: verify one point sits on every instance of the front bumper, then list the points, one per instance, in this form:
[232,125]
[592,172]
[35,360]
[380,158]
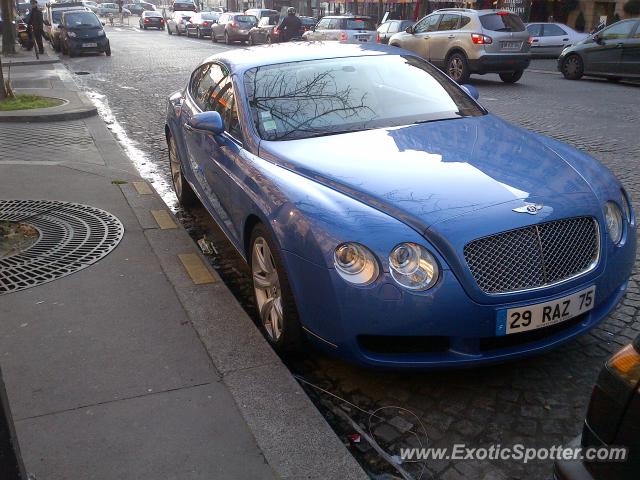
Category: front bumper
[499,62]
[85,44]
[382,325]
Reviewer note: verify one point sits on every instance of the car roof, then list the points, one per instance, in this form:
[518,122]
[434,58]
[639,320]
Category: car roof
[240,59]
[347,16]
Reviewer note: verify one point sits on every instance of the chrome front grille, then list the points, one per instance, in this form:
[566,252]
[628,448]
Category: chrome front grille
[535,256]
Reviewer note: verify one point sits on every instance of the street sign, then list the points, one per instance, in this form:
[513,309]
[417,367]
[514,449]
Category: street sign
[519,7]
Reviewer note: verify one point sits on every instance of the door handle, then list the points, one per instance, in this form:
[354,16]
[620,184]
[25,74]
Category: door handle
[565,39]
[619,45]
[426,37]
[188,128]
[535,40]
[451,36]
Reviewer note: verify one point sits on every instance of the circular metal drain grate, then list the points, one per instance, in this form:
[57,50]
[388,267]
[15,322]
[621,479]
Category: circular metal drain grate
[72,237]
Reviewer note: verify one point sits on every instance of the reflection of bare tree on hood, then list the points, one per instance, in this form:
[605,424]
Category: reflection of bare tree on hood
[304,105]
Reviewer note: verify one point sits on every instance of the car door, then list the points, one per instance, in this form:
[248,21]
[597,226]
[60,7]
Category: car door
[212,158]
[631,54]
[442,39]
[318,30]
[553,39]
[535,30]
[604,54]
[218,28]
[418,41]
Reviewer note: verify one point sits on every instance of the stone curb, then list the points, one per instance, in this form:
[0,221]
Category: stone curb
[76,106]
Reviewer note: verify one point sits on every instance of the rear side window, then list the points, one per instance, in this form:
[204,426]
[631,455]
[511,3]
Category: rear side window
[323,24]
[360,24]
[502,22]
[464,20]
[246,19]
[384,28]
[619,30]
[553,31]
[449,22]
[427,24]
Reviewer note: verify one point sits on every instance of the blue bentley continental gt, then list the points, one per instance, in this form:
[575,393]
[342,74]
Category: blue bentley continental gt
[387,216]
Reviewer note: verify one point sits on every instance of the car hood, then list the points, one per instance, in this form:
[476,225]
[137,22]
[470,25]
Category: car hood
[426,173]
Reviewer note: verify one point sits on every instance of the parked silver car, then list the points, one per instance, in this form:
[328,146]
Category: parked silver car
[105,9]
[549,39]
[462,41]
[344,28]
[233,27]
[177,22]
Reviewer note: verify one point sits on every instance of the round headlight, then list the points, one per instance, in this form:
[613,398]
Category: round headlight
[613,216]
[355,263]
[413,267]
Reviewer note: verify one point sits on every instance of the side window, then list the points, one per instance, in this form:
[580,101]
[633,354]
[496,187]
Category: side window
[384,28]
[535,30]
[335,24]
[323,24]
[637,34]
[449,22]
[264,21]
[464,20]
[620,30]
[551,30]
[196,79]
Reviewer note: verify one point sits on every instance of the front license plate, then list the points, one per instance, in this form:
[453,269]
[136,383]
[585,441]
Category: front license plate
[89,45]
[532,317]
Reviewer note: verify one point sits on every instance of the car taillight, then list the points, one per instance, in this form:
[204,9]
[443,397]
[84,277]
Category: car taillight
[530,40]
[503,14]
[626,364]
[233,24]
[480,39]
[146,20]
[275,31]
[205,24]
[377,37]
[343,36]
[161,21]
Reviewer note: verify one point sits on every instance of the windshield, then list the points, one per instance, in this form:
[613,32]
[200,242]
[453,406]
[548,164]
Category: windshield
[502,22]
[81,19]
[208,16]
[152,14]
[360,24]
[323,97]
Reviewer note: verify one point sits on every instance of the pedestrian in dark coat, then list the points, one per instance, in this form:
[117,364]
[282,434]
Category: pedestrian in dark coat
[35,24]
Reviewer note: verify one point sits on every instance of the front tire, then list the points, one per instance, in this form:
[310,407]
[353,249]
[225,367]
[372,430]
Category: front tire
[458,68]
[107,51]
[275,305]
[186,197]
[511,77]
[572,67]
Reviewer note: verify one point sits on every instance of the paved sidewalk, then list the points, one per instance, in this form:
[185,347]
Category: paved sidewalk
[143,365]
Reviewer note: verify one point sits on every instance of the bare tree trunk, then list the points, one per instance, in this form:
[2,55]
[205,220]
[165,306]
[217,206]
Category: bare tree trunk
[8,33]
[3,90]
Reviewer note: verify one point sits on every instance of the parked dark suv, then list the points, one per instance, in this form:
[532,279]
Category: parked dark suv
[612,53]
[462,41]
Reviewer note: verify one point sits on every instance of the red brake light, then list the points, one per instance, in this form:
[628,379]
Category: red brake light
[146,20]
[233,24]
[205,24]
[530,40]
[377,37]
[502,14]
[275,31]
[343,36]
[480,39]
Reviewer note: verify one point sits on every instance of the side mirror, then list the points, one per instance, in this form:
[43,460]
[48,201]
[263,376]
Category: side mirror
[207,122]
[471,90]
[597,38]
[313,29]
[409,29]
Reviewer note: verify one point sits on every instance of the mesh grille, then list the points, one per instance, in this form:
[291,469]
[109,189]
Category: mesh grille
[533,256]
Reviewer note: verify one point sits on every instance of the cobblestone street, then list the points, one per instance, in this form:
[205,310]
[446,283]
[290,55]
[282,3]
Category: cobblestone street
[537,402]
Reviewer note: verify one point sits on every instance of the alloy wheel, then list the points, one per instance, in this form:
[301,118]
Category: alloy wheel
[456,68]
[266,284]
[174,164]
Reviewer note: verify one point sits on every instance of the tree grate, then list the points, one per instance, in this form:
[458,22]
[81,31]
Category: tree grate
[72,237]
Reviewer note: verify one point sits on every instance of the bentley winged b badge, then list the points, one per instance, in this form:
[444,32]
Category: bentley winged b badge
[530,208]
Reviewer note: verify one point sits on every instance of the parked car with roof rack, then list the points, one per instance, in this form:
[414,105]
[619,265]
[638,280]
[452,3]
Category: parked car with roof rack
[389,28]
[343,28]
[549,39]
[463,42]
[200,24]
[233,27]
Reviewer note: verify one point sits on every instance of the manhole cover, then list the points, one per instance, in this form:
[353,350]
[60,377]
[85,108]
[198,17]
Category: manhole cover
[72,237]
